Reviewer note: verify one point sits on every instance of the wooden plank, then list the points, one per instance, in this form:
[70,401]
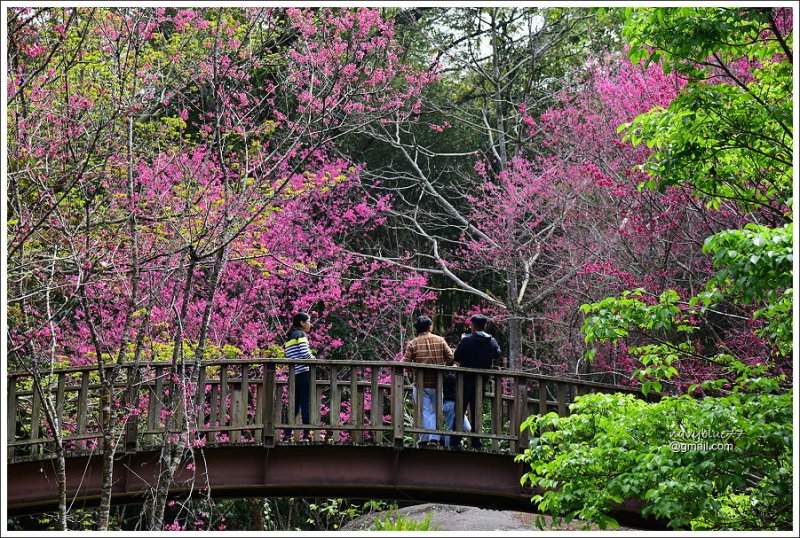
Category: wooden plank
[268,405]
[458,423]
[563,391]
[356,406]
[520,408]
[477,425]
[439,411]
[376,407]
[291,415]
[214,411]
[60,391]
[83,402]
[224,391]
[397,406]
[336,403]
[245,396]
[200,400]
[542,398]
[419,387]
[132,401]
[497,410]
[313,395]
[11,418]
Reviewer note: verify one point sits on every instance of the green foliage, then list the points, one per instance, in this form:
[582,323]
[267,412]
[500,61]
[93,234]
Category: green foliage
[721,463]
[717,463]
[403,523]
[728,134]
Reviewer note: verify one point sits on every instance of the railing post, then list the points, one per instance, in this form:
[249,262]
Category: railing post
[458,422]
[497,410]
[356,407]
[522,413]
[267,406]
[376,407]
[336,404]
[12,415]
[419,400]
[35,412]
[477,427]
[563,389]
[83,402]
[542,397]
[398,411]
[313,401]
[132,403]
[440,403]
[244,402]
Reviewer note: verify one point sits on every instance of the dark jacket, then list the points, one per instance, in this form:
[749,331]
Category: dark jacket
[478,350]
[449,387]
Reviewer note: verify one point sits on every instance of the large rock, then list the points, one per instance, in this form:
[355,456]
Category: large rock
[445,517]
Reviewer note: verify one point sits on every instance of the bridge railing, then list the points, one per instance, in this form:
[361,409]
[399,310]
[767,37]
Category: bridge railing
[251,401]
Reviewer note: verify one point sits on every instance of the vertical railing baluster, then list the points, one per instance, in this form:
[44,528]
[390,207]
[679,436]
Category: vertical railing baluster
[419,400]
[522,413]
[439,402]
[314,399]
[336,403]
[477,426]
[83,403]
[62,381]
[132,404]
[497,410]
[236,405]
[244,403]
[291,414]
[563,390]
[200,400]
[12,415]
[376,409]
[355,405]
[268,405]
[458,422]
[398,411]
[542,397]
[213,418]
[224,410]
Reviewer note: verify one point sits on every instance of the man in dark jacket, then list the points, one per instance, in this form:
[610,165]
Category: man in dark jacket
[477,349]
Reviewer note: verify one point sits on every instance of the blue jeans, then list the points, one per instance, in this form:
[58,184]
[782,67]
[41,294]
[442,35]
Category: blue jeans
[429,397]
[449,409]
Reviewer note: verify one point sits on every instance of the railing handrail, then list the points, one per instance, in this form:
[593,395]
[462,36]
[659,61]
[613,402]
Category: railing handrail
[340,362]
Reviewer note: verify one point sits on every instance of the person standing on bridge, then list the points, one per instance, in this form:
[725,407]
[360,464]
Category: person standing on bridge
[428,348]
[477,349]
[296,347]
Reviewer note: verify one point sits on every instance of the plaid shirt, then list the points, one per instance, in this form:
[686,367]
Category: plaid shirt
[429,348]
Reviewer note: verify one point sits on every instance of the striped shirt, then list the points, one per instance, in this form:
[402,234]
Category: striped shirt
[296,347]
[429,348]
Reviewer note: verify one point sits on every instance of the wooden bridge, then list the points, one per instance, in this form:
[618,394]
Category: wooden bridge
[363,423]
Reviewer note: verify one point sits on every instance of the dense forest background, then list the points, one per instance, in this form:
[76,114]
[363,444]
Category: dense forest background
[613,187]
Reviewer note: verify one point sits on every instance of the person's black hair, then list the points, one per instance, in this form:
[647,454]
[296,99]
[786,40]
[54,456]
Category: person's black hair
[479,321]
[297,319]
[423,324]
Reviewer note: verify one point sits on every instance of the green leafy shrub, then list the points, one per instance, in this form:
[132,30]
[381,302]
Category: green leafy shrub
[668,455]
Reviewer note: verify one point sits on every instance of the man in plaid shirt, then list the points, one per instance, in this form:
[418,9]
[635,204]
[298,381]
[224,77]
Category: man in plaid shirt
[428,348]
